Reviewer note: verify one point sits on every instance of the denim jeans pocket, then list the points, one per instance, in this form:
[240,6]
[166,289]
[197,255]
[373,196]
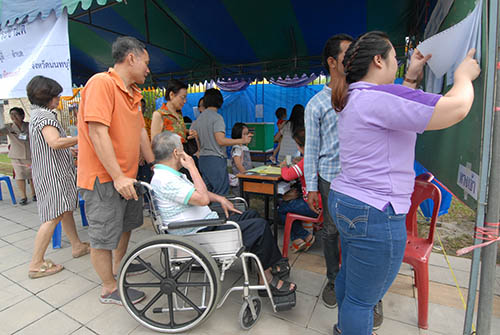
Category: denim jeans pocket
[352,219]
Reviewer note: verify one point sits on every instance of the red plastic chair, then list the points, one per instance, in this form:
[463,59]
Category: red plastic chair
[419,249]
[290,218]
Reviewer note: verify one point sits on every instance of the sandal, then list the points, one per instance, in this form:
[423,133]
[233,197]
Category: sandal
[83,251]
[285,289]
[310,243]
[297,247]
[281,269]
[48,268]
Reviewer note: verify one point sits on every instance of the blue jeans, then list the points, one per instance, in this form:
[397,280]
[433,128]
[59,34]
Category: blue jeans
[214,172]
[373,244]
[297,206]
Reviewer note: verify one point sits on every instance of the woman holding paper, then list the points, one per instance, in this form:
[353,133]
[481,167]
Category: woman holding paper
[378,123]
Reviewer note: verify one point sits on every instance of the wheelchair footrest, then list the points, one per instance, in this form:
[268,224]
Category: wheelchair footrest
[285,302]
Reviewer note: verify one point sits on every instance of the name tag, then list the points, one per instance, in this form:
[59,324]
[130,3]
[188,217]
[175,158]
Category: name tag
[22,136]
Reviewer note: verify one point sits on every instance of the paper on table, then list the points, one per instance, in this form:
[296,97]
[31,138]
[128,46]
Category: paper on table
[266,169]
[449,47]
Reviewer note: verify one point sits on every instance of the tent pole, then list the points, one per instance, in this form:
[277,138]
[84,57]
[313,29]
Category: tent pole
[489,253]
[488,141]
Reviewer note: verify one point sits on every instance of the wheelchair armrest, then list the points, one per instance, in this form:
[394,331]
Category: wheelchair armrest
[195,223]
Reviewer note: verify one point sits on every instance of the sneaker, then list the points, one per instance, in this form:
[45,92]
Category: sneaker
[328,295]
[23,201]
[114,297]
[136,269]
[378,315]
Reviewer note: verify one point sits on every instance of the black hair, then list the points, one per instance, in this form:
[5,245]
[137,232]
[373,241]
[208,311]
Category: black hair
[124,45]
[357,60]
[17,110]
[174,86]
[237,131]
[280,113]
[297,117]
[299,135]
[187,119]
[41,90]
[332,48]
[200,102]
[213,98]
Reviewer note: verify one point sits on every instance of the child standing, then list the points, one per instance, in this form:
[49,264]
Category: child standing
[240,155]
[302,239]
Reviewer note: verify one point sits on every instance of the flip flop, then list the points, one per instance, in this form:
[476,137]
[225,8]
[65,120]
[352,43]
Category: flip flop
[310,243]
[297,247]
[48,268]
[82,252]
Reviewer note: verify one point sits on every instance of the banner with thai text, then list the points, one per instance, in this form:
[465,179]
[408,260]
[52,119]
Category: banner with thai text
[37,48]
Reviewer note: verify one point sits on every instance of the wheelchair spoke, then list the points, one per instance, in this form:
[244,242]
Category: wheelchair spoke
[193,284]
[150,268]
[186,299]
[153,285]
[171,310]
[151,302]
[168,272]
[184,268]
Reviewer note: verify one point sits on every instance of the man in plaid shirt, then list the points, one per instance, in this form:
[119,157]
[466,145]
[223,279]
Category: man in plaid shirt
[321,163]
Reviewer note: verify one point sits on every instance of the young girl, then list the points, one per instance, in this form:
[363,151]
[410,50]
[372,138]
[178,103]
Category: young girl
[286,146]
[240,155]
[302,239]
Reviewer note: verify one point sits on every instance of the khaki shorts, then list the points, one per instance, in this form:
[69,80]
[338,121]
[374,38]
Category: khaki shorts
[109,215]
[22,168]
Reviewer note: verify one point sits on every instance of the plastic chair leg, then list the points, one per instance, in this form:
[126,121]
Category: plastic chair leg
[11,189]
[422,273]
[81,203]
[286,236]
[56,237]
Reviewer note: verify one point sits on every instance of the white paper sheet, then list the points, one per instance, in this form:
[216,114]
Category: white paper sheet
[449,47]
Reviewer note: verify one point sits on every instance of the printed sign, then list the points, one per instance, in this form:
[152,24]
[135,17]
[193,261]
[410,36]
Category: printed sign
[468,180]
[37,48]
[259,111]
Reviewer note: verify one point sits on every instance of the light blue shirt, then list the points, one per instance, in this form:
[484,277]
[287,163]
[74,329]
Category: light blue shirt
[321,155]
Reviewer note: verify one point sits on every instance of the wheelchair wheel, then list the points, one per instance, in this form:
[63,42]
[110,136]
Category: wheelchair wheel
[246,319]
[177,298]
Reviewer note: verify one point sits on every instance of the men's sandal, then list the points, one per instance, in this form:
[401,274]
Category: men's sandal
[285,289]
[281,268]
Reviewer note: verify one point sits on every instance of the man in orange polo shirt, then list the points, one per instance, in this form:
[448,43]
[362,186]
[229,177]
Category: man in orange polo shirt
[111,135]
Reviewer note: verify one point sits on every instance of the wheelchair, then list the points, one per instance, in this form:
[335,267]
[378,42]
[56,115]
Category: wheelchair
[184,273]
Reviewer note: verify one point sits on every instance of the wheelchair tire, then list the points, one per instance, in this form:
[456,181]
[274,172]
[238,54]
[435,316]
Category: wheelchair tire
[168,282]
[246,319]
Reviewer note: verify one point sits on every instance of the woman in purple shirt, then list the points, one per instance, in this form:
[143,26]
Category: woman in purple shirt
[369,199]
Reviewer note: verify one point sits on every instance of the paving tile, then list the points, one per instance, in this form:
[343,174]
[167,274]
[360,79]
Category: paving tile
[391,327]
[83,331]
[272,324]
[457,263]
[79,264]
[11,293]
[19,275]
[11,256]
[323,318]
[93,308]
[91,275]
[406,270]
[446,320]
[3,243]
[113,321]
[443,275]
[55,323]
[403,285]
[308,282]
[23,314]
[400,308]
[26,245]
[312,263]
[9,227]
[300,314]
[66,290]
[24,234]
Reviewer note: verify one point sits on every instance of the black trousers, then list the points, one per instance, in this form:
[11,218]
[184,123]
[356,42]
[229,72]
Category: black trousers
[257,236]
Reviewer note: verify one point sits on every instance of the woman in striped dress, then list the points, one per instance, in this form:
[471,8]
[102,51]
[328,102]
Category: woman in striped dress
[54,175]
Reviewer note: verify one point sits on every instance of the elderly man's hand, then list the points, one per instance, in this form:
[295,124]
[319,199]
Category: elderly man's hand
[227,206]
[187,161]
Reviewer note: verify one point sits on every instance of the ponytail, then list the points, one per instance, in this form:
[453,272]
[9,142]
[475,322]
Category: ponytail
[357,60]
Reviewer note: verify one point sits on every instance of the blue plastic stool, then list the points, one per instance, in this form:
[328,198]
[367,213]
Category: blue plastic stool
[56,237]
[6,179]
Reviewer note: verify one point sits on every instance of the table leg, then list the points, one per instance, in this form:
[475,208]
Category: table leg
[243,194]
[275,211]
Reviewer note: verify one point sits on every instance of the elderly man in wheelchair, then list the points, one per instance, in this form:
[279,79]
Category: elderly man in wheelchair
[196,238]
